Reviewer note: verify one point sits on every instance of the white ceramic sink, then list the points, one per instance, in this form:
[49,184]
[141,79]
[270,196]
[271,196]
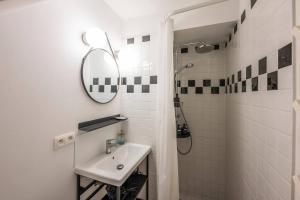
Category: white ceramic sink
[104,167]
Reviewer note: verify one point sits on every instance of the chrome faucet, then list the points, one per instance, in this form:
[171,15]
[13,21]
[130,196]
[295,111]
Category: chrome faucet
[109,144]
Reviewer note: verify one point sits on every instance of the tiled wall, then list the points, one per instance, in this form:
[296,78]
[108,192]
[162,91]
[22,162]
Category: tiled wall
[258,103]
[201,173]
[138,95]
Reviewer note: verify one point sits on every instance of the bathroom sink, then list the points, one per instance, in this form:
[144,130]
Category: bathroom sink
[116,167]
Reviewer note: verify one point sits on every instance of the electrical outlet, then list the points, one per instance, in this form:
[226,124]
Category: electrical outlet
[62,140]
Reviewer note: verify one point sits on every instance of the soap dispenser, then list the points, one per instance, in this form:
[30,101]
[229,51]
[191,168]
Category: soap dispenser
[121,138]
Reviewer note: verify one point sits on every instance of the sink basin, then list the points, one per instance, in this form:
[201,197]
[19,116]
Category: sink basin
[116,167]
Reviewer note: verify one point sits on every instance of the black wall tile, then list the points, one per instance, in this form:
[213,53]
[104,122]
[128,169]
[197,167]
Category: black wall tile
[232,79]
[206,83]
[226,44]
[235,28]
[137,80]
[236,88]
[248,72]
[244,88]
[153,79]
[184,90]
[222,82]
[254,82]
[184,50]
[230,37]
[95,81]
[146,38]
[124,81]
[130,40]
[273,80]
[262,66]
[191,83]
[107,81]
[243,16]
[239,76]
[228,81]
[101,88]
[215,90]
[253,3]
[113,89]
[91,88]
[199,90]
[216,47]
[285,56]
[178,83]
[145,88]
[130,88]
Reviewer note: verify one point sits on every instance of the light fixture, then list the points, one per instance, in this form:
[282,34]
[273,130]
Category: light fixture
[94,37]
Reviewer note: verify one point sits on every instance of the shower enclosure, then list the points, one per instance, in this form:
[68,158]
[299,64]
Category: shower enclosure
[199,100]
[182,127]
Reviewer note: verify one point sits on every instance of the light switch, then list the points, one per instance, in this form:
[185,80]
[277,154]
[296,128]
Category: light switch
[296,105]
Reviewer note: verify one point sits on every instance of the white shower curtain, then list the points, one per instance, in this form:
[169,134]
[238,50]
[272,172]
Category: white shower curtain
[167,163]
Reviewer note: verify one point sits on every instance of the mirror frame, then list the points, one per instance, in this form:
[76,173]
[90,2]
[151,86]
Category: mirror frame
[82,66]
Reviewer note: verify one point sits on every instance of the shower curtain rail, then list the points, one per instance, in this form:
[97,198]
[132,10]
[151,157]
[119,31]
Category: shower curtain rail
[195,7]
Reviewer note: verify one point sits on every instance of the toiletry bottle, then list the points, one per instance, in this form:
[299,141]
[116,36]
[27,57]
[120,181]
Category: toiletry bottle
[121,138]
[178,130]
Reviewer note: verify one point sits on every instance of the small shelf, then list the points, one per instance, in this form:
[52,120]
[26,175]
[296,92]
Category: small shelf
[92,125]
[134,181]
[184,135]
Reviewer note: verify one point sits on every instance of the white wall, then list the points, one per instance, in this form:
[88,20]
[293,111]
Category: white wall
[201,172]
[214,14]
[42,95]
[259,123]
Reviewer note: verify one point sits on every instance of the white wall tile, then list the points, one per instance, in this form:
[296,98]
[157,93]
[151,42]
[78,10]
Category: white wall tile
[259,124]
[205,114]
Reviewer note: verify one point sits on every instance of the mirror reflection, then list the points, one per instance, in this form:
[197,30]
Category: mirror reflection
[100,75]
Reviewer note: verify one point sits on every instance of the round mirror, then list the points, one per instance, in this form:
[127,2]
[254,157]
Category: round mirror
[100,75]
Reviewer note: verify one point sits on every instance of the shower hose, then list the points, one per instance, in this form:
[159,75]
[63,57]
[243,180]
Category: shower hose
[191,138]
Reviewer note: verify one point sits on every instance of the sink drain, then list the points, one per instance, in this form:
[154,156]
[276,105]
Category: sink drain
[120,166]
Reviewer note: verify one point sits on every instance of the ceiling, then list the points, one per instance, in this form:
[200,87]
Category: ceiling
[211,34]
[127,9]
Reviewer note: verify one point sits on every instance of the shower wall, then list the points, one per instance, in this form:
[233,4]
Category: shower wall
[202,91]
[259,102]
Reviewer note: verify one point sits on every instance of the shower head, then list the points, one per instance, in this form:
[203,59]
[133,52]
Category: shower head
[204,48]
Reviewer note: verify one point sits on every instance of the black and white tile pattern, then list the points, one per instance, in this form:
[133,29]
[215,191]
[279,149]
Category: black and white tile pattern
[145,38]
[205,86]
[104,85]
[284,60]
[138,84]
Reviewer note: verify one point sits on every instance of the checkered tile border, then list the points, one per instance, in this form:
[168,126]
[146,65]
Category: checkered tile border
[235,83]
[133,84]
[138,84]
[104,85]
[203,86]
